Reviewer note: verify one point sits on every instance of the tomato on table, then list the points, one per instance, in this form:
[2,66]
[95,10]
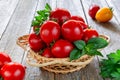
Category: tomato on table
[78,18]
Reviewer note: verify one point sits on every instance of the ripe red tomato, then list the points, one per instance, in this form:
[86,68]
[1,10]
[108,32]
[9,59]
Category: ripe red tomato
[89,33]
[72,30]
[4,58]
[47,53]
[93,10]
[83,25]
[60,15]
[35,42]
[50,31]
[78,18]
[62,48]
[13,71]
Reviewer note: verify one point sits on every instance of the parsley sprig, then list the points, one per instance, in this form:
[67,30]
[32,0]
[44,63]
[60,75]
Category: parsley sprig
[110,67]
[89,48]
[42,16]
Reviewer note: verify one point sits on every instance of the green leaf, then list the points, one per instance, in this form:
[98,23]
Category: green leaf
[37,31]
[98,42]
[48,7]
[94,52]
[75,54]
[35,23]
[115,75]
[79,44]
[38,18]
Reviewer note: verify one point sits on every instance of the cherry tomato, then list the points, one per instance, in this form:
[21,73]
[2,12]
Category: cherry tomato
[4,58]
[78,18]
[83,25]
[72,30]
[89,33]
[50,31]
[93,10]
[13,71]
[35,42]
[47,53]
[60,15]
[62,48]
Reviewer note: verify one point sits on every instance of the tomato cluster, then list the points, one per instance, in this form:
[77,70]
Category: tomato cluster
[57,34]
[10,70]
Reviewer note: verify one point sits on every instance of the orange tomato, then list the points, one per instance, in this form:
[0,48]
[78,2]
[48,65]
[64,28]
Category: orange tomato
[104,14]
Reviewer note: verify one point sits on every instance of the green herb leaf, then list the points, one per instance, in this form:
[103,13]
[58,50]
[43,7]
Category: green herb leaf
[35,23]
[75,54]
[94,52]
[48,7]
[98,42]
[37,30]
[111,65]
[79,44]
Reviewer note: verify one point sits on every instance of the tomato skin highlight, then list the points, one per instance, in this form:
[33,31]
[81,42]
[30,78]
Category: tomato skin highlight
[50,31]
[60,15]
[72,30]
[78,18]
[89,33]
[47,53]
[4,58]
[35,42]
[93,10]
[62,48]
[13,71]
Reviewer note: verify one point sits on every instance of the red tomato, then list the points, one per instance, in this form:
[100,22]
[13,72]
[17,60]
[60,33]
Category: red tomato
[83,25]
[89,33]
[93,10]
[35,42]
[60,15]
[62,48]
[47,53]
[13,71]
[72,30]
[4,58]
[50,31]
[78,18]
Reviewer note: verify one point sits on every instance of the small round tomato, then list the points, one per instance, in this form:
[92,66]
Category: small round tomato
[47,53]
[93,10]
[35,42]
[83,25]
[13,71]
[50,31]
[60,15]
[62,48]
[4,58]
[78,18]
[89,33]
[72,30]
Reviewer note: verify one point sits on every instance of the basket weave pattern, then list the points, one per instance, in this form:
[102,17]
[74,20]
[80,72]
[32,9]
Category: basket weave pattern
[56,65]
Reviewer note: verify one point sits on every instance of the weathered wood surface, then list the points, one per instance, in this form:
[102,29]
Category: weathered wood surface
[15,21]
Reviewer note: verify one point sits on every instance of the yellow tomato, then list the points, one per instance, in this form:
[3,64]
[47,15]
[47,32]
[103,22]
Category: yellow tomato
[104,14]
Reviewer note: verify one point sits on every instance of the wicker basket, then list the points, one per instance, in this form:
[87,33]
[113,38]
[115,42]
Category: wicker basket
[56,65]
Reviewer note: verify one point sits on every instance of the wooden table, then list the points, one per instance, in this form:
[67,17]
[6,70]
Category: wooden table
[15,21]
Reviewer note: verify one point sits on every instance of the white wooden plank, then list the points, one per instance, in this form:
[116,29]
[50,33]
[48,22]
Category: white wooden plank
[7,8]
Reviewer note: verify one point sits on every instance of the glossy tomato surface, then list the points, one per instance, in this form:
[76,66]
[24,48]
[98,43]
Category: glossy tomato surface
[72,30]
[13,71]
[62,48]
[50,31]
[4,58]
[89,33]
[60,15]
[83,25]
[93,10]
[47,53]
[35,42]
[78,18]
